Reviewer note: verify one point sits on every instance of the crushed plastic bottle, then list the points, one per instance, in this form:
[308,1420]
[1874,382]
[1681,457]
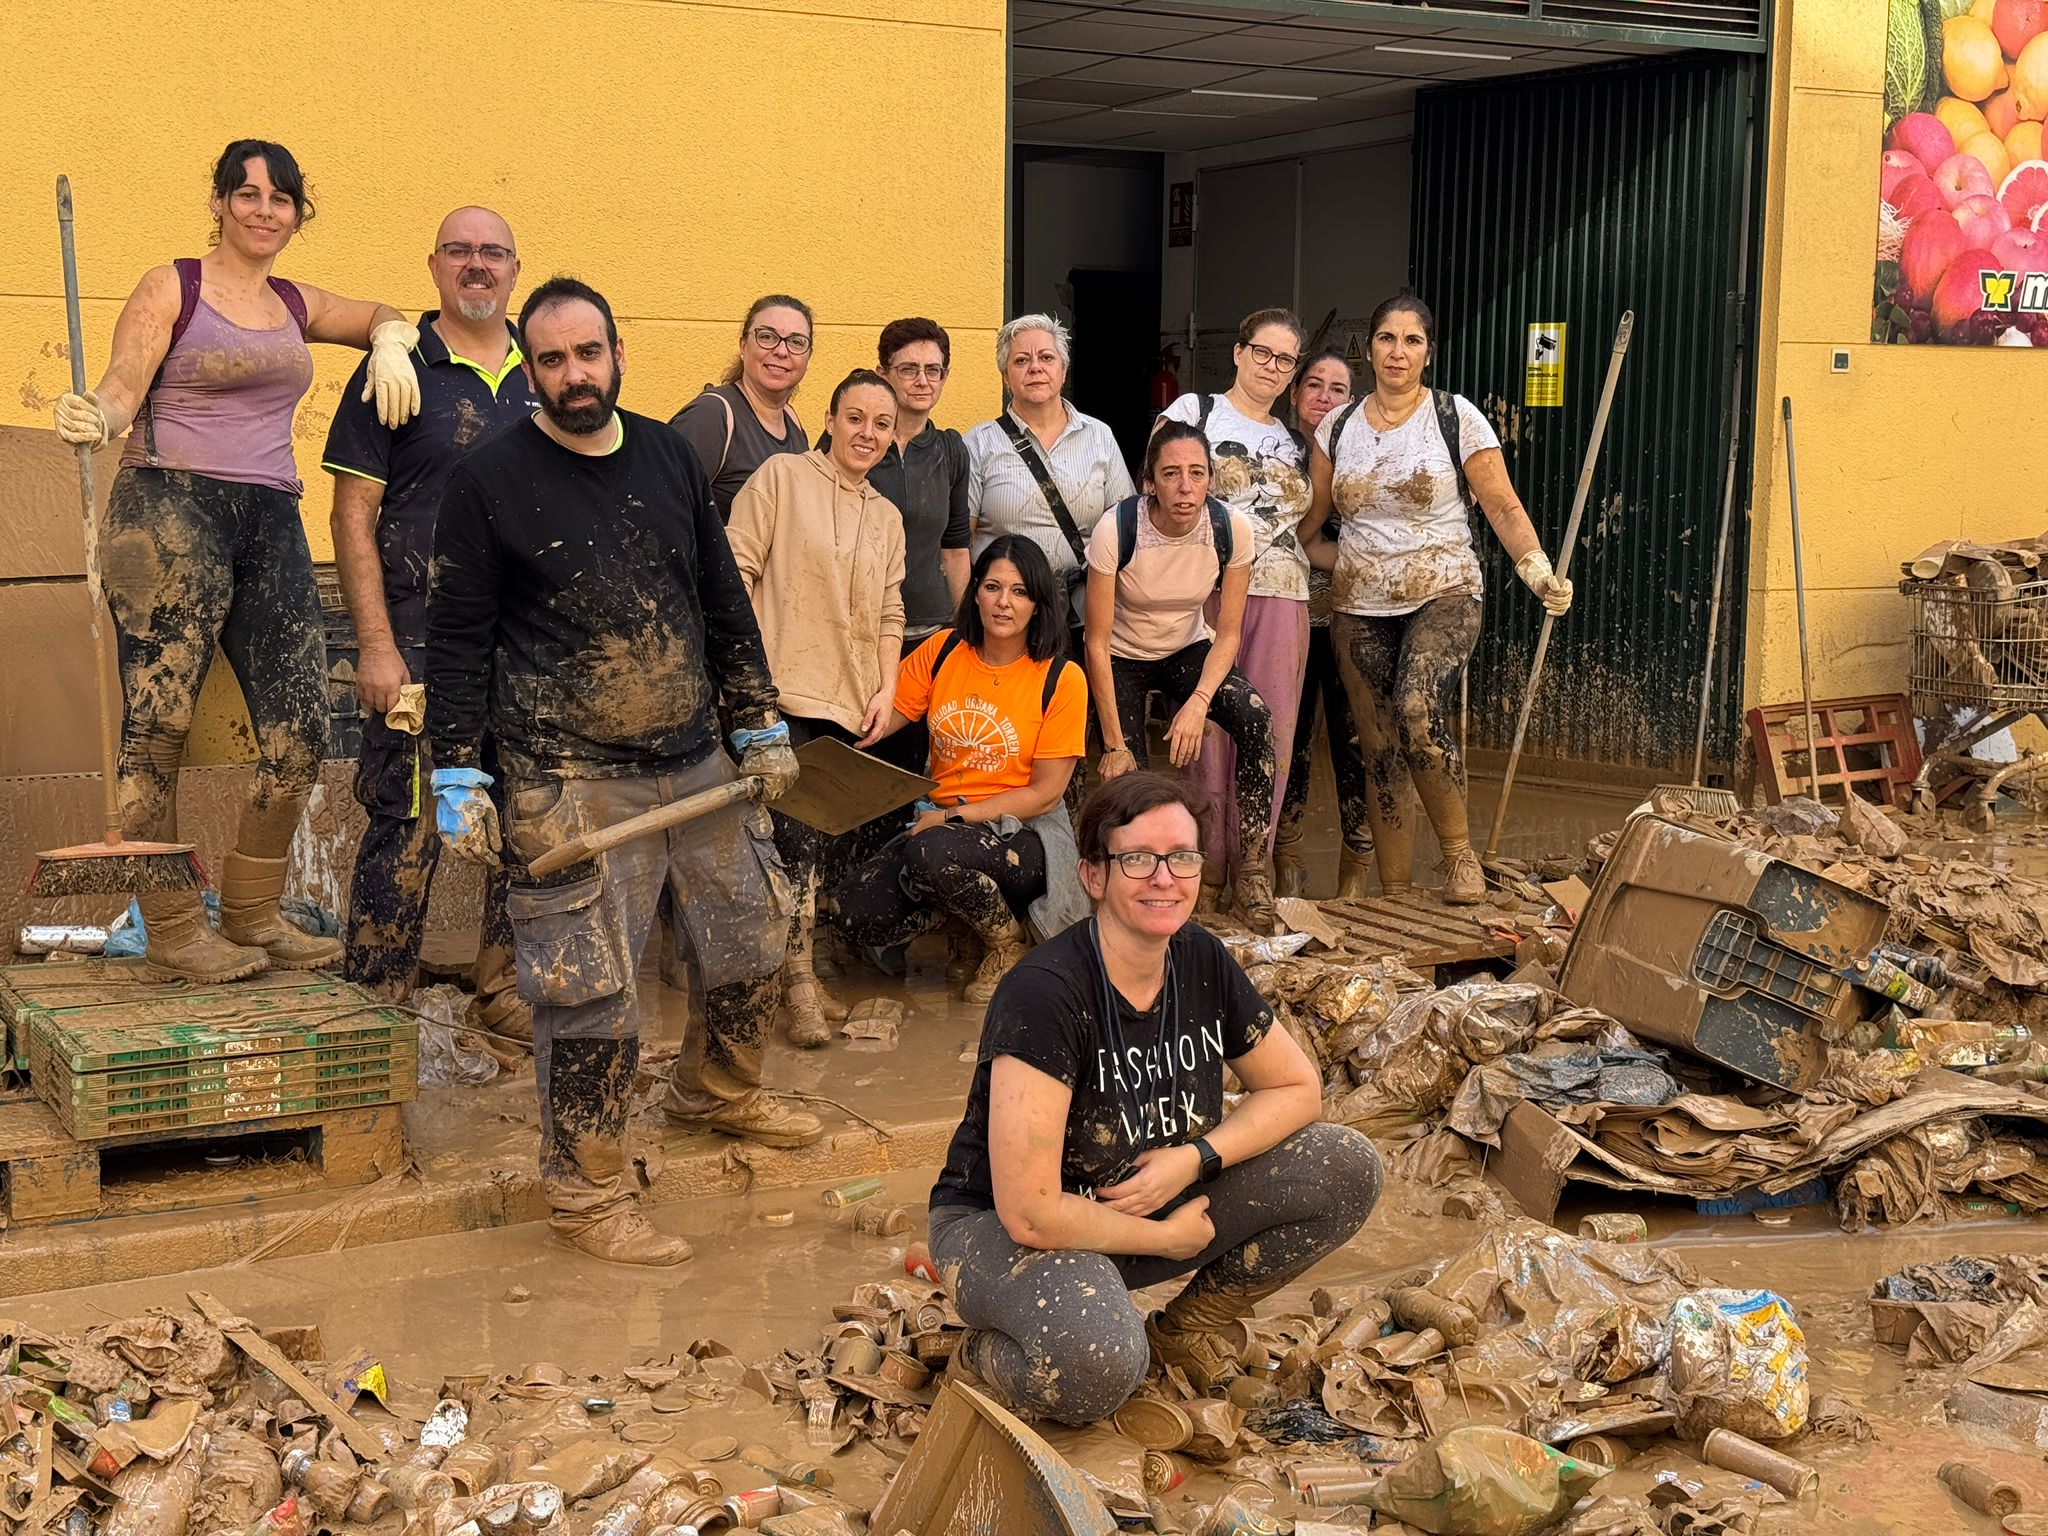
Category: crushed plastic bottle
[448,1427]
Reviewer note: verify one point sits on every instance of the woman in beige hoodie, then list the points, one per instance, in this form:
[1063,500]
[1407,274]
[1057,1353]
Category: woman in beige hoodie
[821,552]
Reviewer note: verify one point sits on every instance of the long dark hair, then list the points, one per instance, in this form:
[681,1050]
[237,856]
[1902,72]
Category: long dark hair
[231,170]
[1045,637]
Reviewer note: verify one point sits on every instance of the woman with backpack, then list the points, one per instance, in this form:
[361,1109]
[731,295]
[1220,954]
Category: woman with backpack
[746,419]
[1152,566]
[201,541]
[1008,718]
[1261,470]
[1400,468]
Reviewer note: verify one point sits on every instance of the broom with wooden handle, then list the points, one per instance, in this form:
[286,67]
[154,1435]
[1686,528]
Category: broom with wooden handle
[112,866]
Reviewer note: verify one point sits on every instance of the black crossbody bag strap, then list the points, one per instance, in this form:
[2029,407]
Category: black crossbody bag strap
[1027,450]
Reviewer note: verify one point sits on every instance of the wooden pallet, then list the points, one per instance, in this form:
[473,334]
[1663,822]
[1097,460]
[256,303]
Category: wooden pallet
[1419,930]
[48,1176]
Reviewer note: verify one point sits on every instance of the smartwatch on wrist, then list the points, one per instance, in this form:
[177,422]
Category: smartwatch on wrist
[1212,1160]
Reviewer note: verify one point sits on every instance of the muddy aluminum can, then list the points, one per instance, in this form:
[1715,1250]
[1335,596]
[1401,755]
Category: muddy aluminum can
[1330,1492]
[1601,1450]
[1980,1490]
[881,1220]
[1615,1227]
[1738,1453]
[1163,1471]
[855,1354]
[852,1192]
[749,1508]
[59,939]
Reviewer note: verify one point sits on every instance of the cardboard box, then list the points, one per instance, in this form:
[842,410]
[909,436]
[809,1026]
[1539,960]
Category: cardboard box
[41,532]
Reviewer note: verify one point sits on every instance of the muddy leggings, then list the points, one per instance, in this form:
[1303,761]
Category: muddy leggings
[1067,1340]
[1402,675]
[1323,688]
[192,562]
[961,869]
[1236,709]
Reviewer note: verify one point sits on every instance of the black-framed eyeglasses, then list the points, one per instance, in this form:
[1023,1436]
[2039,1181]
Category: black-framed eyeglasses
[462,250]
[908,371]
[1265,357]
[767,338]
[1143,863]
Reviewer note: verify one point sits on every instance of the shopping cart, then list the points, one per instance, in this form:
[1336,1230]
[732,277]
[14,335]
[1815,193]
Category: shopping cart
[1979,656]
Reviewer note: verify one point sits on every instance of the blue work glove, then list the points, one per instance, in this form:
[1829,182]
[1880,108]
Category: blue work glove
[765,753]
[464,815]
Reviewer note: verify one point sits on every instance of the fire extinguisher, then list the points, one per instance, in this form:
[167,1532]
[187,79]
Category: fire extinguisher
[1166,382]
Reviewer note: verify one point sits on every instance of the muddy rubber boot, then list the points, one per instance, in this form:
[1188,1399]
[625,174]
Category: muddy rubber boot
[628,1237]
[1354,875]
[1290,872]
[1203,1332]
[1464,877]
[757,1118]
[1255,899]
[963,953]
[807,1011]
[499,1007]
[183,946]
[1209,899]
[249,890]
[1002,947]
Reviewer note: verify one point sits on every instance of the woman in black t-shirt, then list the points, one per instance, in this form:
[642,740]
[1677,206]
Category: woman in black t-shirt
[1096,1110]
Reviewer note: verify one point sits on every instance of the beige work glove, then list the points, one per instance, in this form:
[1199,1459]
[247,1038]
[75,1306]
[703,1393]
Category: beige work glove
[1551,589]
[389,378]
[81,419]
[409,714]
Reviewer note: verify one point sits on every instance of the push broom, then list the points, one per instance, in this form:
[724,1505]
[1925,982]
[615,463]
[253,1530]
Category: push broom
[113,866]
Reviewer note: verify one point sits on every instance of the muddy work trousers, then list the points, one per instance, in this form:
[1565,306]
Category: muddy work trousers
[192,562]
[960,869]
[1323,689]
[1402,676]
[395,864]
[1236,709]
[1272,654]
[1068,1341]
[579,938]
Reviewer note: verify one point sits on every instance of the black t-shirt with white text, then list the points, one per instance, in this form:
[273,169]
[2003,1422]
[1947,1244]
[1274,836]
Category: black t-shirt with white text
[1150,1078]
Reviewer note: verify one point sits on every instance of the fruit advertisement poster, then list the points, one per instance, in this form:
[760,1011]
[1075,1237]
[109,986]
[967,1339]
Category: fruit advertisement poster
[1962,234]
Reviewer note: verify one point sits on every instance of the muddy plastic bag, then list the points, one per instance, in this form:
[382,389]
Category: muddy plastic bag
[1738,1361]
[1484,1481]
[449,1053]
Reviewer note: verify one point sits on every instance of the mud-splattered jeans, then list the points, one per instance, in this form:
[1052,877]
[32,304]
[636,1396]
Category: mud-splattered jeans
[191,562]
[1323,688]
[1236,709]
[959,869]
[1402,676]
[579,937]
[1070,1342]
[396,860]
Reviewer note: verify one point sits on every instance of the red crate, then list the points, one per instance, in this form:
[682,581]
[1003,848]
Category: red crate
[1864,745]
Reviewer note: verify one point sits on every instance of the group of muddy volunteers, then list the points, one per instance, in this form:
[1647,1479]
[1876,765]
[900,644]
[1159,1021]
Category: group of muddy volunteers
[567,614]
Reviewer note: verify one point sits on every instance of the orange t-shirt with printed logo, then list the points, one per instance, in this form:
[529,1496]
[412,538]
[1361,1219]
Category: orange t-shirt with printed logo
[985,723]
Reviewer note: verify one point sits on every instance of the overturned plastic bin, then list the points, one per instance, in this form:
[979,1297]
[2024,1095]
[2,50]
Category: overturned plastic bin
[1705,944]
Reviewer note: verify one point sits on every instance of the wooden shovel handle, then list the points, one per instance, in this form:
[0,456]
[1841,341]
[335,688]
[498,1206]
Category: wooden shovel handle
[646,824]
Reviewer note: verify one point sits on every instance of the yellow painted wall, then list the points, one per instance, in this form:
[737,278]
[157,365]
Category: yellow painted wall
[1914,443]
[684,157]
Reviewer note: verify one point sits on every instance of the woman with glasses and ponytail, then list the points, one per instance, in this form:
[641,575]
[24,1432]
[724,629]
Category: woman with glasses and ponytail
[1261,471]
[744,420]
[1096,1156]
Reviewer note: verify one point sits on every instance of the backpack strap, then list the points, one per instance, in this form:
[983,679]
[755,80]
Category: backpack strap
[1202,417]
[294,302]
[1126,531]
[1053,674]
[187,268]
[725,452]
[1447,423]
[1221,536]
[946,648]
[1343,420]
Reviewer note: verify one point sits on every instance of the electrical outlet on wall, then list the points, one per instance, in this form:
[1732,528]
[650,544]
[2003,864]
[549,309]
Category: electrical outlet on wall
[1839,362]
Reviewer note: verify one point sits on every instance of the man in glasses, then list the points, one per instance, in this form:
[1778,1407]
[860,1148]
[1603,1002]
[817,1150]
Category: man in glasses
[387,492]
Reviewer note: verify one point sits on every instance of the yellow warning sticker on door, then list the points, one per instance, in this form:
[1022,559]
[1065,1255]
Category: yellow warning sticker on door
[1543,382]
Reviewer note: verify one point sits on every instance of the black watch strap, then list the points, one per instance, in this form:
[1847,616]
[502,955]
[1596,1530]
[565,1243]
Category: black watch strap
[1212,1160]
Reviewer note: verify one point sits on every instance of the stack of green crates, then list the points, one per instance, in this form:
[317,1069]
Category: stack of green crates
[144,1060]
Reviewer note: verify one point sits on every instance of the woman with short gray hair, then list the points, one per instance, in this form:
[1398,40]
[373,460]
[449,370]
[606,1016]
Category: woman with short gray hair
[1043,469]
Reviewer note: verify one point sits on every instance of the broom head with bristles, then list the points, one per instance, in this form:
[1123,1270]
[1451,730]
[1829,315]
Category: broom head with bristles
[116,868]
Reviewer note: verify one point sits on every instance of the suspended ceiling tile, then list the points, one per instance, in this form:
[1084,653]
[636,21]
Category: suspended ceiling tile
[1168,16]
[1177,74]
[1032,63]
[1107,36]
[1100,93]
[1292,82]
[1025,14]
[1030,114]
[1253,46]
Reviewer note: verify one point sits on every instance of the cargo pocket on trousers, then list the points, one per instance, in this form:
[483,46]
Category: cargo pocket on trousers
[774,878]
[569,951]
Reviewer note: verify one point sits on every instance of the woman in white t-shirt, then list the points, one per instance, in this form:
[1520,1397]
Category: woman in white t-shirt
[1261,471]
[1154,562]
[1406,584]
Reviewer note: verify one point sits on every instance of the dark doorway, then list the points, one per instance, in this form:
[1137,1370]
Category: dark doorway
[1116,349]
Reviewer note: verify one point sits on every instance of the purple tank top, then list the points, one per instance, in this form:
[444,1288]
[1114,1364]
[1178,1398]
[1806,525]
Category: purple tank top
[223,406]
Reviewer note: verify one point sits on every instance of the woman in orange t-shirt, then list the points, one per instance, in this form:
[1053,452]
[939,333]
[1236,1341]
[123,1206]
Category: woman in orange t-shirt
[1008,717]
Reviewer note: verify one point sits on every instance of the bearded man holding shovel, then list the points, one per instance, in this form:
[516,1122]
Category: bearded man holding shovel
[585,606]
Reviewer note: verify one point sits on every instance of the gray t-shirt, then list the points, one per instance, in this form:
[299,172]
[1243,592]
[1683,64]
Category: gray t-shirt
[730,440]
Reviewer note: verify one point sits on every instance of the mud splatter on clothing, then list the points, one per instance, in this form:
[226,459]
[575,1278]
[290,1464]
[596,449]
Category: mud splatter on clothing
[967,870]
[1060,1335]
[191,562]
[1404,532]
[586,1098]
[587,608]
[1401,674]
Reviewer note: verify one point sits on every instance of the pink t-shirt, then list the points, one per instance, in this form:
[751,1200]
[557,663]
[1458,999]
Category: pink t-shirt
[1159,595]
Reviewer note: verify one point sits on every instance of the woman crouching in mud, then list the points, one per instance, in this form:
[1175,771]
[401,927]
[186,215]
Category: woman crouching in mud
[202,542]
[1095,1156]
[1009,721]
[1405,590]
